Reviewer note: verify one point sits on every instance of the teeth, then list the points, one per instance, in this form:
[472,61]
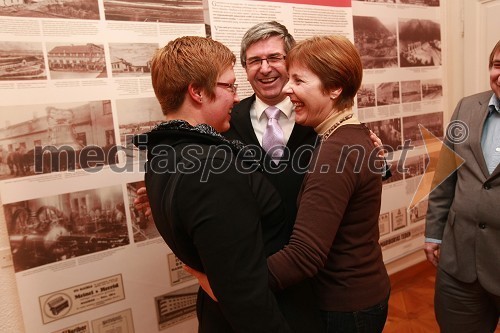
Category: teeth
[268,80]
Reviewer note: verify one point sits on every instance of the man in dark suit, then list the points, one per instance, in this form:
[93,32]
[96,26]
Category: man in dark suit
[463,220]
[263,51]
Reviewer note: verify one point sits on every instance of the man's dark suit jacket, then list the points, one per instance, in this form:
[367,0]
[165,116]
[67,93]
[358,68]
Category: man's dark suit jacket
[297,302]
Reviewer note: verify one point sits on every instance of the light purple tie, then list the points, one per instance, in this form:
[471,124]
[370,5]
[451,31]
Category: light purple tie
[272,141]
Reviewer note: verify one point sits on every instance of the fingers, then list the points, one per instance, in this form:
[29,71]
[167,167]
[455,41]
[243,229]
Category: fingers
[432,253]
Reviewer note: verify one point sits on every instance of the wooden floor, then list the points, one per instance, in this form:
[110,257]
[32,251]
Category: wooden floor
[411,305]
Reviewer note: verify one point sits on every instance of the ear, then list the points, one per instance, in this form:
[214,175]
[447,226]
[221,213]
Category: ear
[334,93]
[195,93]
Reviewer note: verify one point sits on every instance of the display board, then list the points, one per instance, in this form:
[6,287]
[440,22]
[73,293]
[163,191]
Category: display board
[75,84]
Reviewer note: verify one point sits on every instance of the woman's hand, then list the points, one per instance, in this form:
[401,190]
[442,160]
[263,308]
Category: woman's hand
[202,280]
[141,202]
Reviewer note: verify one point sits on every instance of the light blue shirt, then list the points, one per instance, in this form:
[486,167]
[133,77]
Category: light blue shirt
[490,139]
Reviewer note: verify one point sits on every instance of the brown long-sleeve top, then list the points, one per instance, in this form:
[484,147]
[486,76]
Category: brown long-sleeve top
[335,237]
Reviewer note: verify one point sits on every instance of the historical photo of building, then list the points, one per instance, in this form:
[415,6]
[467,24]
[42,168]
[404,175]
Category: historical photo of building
[143,227]
[419,43]
[376,41]
[132,59]
[135,116]
[415,166]
[169,11]
[51,229]
[366,96]
[388,93]
[22,61]
[432,89]
[433,122]
[46,138]
[67,9]
[389,131]
[410,91]
[71,61]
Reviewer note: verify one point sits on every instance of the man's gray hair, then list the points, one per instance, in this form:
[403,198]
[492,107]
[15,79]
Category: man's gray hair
[263,31]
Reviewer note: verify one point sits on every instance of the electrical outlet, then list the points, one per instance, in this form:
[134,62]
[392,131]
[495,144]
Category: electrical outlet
[5,258]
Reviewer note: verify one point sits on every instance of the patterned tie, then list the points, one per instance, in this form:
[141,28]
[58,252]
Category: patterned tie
[272,141]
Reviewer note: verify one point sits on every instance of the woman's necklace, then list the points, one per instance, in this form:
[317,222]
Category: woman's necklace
[334,126]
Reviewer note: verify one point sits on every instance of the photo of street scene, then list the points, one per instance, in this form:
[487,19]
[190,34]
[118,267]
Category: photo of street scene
[410,91]
[51,229]
[366,96]
[73,61]
[432,89]
[44,138]
[376,41]
[388,93]
[433,122]
[131,60]
[135,116]
[67,9]
[22,61]
[419,43]
[170,11]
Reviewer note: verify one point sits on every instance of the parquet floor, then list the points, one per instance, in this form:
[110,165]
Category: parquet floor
[411,305]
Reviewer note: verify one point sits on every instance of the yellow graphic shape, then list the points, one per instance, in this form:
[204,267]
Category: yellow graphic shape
[442,163]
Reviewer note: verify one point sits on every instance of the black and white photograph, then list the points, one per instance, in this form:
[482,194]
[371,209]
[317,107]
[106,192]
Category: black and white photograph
[389,131]
[76,61]
[51,229]
[135,116]
[176,307]
[419,43]
[410,91]
[384,224]
[376,41]
[398,218]
[22,61]
[143,226]
[415,166]
[131,60]
[388,93]
[44,138]
[418,212]
[67,9]
[433,122]
[166,11]
[432,89]
[366,96]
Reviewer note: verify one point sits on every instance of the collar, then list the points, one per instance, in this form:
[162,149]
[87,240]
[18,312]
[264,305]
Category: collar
[285,106]
[495,102]
[334,118]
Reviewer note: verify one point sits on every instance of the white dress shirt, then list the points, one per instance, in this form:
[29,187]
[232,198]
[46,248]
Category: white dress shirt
[259,118]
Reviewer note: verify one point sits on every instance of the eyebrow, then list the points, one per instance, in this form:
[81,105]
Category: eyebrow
[266,56]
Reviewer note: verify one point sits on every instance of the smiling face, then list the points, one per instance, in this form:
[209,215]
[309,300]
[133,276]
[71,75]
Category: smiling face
[267,80]
[217,112]
[495,74]
[312,103]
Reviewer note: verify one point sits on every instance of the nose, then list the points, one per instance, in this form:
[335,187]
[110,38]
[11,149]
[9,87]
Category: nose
[287,89]
[264,67]
[236,98]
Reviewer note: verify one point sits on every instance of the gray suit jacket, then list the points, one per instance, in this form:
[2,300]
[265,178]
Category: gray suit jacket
[464,211]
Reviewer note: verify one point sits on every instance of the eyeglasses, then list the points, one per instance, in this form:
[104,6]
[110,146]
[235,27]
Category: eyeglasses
[273,59]
[232,86]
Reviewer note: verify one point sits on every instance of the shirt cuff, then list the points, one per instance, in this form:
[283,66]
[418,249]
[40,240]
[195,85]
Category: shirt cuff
[432,240]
